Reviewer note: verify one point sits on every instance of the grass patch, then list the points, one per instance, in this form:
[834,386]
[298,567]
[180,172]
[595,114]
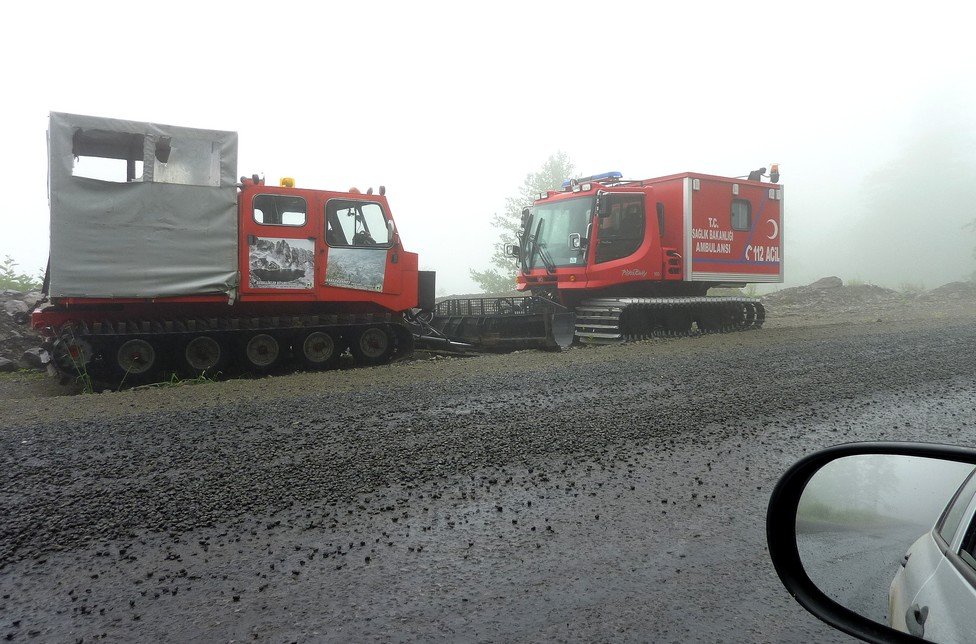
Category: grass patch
[23,375]
[176,381]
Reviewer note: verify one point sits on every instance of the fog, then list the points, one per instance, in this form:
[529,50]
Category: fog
[862,488]
[907,217]
[870,112]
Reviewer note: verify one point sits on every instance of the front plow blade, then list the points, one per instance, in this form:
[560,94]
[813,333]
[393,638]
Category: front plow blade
[505,323]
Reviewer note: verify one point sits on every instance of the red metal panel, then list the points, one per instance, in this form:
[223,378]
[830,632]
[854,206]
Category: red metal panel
[698,244]
[717,249]
[400,277]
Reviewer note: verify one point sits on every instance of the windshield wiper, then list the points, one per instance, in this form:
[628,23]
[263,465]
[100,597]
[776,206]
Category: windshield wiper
[525,243]
[543,253]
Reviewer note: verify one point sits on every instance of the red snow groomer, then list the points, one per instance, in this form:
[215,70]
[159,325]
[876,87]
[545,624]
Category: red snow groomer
[161,258]
[636,258]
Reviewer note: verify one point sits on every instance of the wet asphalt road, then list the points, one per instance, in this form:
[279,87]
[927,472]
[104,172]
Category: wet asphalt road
[615,493]
[854,565]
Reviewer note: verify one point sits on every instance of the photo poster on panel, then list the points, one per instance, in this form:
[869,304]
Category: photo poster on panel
[276,262]
[359,268]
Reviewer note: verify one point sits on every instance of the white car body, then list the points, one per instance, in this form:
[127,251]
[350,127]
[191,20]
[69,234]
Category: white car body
[933,595]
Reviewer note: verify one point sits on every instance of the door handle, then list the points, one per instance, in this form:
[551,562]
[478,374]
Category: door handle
[915,620]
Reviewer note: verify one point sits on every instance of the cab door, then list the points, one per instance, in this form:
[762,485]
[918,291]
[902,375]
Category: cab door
[278,240]
[360,246]
[622,236]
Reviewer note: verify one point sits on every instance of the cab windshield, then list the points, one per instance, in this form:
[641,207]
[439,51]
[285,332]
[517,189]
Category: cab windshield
[555,223]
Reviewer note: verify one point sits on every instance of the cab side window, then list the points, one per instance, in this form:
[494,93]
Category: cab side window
[355,223]
[280,210]
[622,232]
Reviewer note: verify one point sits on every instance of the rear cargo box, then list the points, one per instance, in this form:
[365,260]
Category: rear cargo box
[733,230]
[155,216]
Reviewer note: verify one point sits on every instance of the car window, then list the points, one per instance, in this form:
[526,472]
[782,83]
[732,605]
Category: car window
[967,549]
[953,513]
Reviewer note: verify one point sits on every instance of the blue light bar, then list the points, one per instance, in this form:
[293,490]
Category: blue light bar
[612,176]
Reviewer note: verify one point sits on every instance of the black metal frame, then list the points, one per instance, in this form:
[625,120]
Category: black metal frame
[519,305]
[504,323]
[781,533]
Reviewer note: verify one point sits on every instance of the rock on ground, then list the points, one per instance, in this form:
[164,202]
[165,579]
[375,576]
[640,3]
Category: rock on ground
[16,336]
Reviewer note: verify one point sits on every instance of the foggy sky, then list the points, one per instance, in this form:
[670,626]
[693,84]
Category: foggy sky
[911,489]
[869,111]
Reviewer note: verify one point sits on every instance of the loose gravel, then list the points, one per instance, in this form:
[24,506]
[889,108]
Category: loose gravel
[605,493]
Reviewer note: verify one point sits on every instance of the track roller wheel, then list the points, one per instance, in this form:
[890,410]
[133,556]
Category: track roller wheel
[136,360]
[204,354]
[371,346]
[73,353]
[319,350]
[262,351]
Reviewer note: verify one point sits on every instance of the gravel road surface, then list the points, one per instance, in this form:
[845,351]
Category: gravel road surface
[609,493]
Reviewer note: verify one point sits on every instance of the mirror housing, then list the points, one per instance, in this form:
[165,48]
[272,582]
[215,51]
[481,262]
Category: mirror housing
[575,241]
[513,250]
[781,534]
[526,213]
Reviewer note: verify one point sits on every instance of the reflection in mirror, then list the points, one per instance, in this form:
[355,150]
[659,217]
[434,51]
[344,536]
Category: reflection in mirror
[882,536]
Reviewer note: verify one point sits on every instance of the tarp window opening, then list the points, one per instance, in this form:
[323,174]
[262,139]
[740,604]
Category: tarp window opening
[122,156]
[108,156]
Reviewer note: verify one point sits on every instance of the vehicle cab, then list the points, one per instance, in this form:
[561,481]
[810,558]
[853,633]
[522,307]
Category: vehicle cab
[590,237]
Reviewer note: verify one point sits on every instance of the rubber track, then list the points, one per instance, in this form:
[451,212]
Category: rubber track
[99,333]
[613,320]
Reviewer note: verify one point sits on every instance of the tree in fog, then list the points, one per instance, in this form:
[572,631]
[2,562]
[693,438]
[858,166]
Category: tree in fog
[500,277]
[854,489]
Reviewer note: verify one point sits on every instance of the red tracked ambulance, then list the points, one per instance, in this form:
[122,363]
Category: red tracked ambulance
[635,258]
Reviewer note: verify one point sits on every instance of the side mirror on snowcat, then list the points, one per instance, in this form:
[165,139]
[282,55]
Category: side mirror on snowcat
[512,250]
[526,213]
[575,241]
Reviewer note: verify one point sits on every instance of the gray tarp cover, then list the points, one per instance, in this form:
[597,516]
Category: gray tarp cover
[172,231]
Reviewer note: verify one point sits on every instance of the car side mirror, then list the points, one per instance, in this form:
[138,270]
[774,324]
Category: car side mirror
[575,241]
[526,213]
[857,534]
[512,250]
[390,230]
